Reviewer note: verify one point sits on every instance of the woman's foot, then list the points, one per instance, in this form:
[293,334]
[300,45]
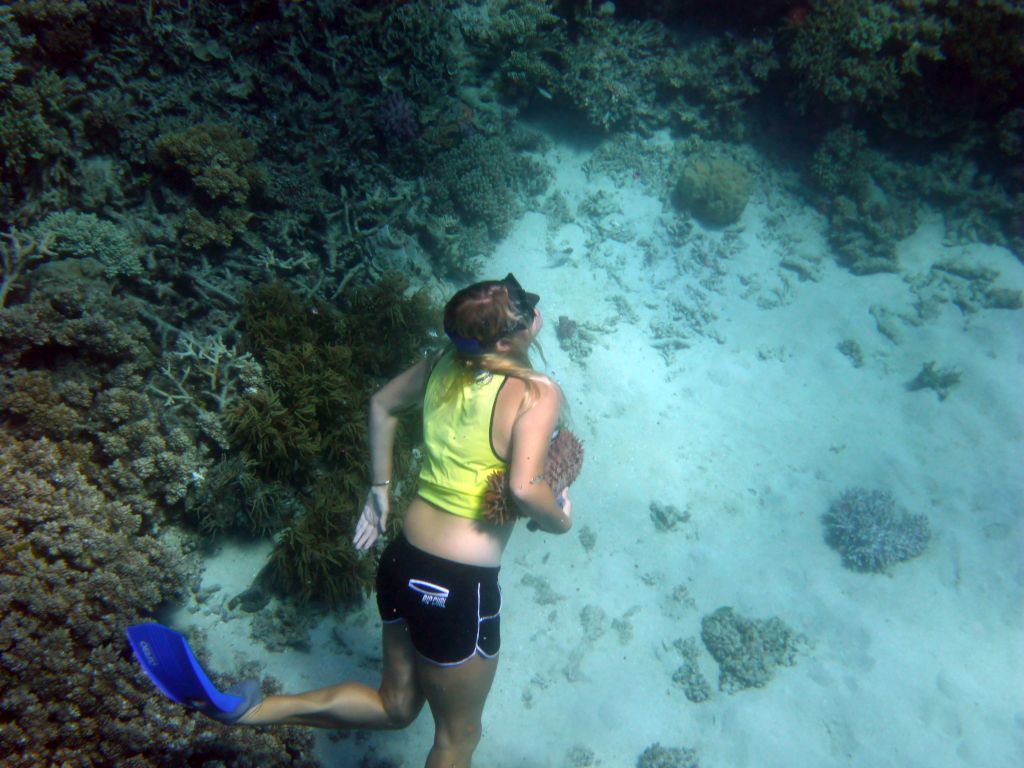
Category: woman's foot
[251,696]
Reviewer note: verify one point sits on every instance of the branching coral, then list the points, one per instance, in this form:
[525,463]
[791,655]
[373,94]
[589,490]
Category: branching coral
[84,236]
[202,376]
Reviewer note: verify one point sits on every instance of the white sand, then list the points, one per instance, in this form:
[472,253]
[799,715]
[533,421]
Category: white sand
[752,434]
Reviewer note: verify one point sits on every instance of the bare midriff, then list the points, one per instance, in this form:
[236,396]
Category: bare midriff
[460,539]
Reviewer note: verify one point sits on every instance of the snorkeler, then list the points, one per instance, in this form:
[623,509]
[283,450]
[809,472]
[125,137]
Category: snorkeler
[484,409]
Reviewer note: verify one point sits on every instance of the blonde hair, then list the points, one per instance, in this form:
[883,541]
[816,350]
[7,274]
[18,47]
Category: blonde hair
[484,313]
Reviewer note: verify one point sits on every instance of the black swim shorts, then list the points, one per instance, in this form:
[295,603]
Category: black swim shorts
[452,609]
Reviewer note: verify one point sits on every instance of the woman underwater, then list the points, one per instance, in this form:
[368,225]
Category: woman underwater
[484,409]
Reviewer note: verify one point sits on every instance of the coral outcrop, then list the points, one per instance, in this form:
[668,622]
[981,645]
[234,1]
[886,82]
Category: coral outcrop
[748,651]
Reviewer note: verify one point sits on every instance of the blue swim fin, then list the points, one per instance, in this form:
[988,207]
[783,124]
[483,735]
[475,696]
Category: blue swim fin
[168,660]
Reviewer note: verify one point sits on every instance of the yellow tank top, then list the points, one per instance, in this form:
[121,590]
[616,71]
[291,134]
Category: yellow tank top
[457,454]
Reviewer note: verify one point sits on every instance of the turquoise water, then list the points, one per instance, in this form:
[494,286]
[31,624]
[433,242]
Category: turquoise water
[779,255]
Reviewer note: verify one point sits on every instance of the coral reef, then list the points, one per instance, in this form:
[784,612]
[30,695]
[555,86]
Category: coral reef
[688,675]
[748,651]
[861,51]
[866,529]
[481,178]
[397,120]
[18,251]
[713,81]
[77,360]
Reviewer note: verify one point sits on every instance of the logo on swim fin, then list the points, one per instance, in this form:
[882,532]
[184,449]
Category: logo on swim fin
[147,651]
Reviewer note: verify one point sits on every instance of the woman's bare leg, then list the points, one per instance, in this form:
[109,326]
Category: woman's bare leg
[456,696]
[353,705]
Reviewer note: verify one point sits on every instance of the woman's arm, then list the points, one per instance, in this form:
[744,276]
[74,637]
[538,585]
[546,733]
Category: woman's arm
[399,394]
[531,436]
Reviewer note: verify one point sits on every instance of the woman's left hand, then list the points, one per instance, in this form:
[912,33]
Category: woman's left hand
[374,518]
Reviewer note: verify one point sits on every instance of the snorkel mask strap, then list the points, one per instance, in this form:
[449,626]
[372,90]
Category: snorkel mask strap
[471,347]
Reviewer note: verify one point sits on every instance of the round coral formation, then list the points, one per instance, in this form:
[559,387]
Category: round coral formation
[714,189]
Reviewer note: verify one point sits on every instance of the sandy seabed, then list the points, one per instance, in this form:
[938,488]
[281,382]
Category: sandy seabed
[749,422]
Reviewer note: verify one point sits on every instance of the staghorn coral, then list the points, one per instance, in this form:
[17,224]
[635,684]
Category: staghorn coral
[865,528]
[17,251]
[77,569]
[201,377]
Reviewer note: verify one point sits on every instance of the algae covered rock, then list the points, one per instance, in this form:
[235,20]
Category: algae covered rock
[714,189]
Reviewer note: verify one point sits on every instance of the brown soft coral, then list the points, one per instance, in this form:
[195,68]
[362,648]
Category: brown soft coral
[76,571]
